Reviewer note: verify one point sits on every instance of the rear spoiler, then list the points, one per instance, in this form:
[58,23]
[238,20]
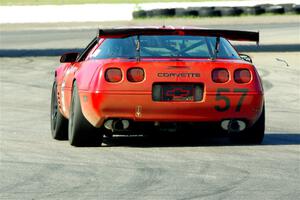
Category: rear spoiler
[228,34]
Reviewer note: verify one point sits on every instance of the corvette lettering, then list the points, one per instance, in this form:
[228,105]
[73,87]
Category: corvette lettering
[178,75]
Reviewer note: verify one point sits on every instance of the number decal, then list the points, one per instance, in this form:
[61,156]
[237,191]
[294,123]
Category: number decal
[222,97]
[244,93]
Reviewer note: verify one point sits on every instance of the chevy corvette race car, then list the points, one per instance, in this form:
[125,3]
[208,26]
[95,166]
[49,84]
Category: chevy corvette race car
[152,79]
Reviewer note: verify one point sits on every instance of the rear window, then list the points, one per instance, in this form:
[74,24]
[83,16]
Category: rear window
[168,46]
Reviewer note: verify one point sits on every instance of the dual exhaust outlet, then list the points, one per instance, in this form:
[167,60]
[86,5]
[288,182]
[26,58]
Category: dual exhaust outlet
[230,125]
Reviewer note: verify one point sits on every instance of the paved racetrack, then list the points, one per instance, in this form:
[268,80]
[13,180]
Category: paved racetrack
[34,166]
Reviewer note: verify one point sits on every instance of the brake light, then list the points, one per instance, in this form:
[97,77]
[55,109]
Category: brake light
[242,76]
[220,75]
[135,74]
[113,75]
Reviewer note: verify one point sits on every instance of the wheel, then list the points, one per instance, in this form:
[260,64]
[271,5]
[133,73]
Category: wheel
[252,135]
[59,124]
[80,131]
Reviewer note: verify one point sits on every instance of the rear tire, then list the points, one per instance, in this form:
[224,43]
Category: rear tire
[59,124]
[252,135]
[81,132]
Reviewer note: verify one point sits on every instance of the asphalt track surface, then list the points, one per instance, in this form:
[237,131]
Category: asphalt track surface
[34,166]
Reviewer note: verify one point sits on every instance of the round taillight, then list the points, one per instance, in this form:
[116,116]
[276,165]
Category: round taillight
[113,75]
[242,76]
[135,74]
[220,75]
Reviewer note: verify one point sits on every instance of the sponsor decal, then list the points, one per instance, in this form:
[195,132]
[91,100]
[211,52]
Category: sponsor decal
[179,75]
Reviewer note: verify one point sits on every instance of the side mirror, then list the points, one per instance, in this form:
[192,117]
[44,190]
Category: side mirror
[68,57]
[245,57]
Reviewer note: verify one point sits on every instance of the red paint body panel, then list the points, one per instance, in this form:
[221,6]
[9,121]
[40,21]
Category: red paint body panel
[102,106]
[122,100]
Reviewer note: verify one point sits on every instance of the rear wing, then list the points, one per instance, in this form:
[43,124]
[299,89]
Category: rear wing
[228,34]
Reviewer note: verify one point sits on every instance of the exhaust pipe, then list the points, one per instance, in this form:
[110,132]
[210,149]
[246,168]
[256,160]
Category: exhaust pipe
[233,125]
[108,124]
[114,125]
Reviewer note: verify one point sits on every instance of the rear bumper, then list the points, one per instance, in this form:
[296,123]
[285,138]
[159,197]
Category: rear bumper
[139,106]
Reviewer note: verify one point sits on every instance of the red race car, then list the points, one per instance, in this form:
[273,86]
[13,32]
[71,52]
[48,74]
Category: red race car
[151,79]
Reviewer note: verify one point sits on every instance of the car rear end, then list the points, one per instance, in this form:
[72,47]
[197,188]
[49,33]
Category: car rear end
[192,86]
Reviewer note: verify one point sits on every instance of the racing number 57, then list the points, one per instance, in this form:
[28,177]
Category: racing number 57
[220,96]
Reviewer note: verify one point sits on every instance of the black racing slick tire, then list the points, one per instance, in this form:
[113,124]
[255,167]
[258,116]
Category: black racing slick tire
[253,135]
[80,131]
[59,124]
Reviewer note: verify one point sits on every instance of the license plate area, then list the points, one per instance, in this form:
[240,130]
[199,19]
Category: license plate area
[177,92]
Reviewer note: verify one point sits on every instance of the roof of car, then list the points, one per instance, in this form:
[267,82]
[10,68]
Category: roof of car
[171,30]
